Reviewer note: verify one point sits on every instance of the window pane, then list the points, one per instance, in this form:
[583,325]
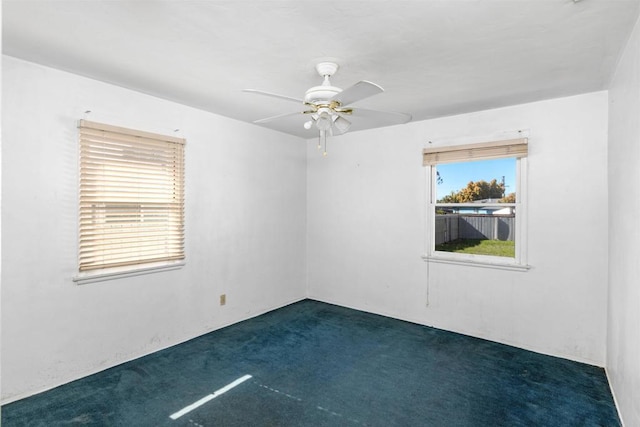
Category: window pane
[479,216]
[480,234]
[486,180]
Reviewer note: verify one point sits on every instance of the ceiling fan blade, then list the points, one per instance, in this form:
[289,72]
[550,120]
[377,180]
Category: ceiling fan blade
[279,116]
[361,90]
[274,95]
[386,117]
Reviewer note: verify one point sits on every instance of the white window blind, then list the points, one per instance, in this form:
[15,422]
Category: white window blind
[131,197]
[482,151]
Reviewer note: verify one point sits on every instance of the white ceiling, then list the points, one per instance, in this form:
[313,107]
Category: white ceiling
[432,57]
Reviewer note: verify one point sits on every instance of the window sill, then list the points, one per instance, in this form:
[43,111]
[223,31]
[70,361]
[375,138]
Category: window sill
[477,263]
[122,272]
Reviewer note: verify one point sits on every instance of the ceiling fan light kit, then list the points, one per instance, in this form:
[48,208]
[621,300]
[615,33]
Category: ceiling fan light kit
[327,105]
[341,124]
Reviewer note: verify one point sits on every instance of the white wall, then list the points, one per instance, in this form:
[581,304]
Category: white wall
[623,339]
[366,230]
[245,231]
[0,203]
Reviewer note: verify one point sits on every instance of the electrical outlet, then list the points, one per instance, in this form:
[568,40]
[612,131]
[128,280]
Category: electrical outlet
[223,299]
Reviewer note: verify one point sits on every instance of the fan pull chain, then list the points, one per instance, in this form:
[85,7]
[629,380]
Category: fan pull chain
[322,140]
[325,145]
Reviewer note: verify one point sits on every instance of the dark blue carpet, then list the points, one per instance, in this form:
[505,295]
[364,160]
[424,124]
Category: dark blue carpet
[315,364]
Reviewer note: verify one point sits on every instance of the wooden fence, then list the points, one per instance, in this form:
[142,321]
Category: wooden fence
[474,226]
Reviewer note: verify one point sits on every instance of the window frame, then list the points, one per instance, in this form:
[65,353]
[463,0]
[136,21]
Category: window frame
[173,184]
[519,261]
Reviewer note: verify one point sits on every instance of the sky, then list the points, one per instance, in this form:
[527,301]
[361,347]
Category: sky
[456,176]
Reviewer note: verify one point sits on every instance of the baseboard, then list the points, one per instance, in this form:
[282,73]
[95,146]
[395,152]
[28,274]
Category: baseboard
[422,322]
[17,397]
[613,394]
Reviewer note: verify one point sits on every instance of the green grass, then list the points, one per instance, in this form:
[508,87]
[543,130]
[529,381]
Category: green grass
[479,247]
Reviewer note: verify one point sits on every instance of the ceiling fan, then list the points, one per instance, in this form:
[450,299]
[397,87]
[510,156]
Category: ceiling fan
[327,105]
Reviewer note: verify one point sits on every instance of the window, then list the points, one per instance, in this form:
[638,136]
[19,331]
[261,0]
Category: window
[476,205]
[131,198]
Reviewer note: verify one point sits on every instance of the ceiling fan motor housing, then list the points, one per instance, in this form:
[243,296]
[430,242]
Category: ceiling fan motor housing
[322,94]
